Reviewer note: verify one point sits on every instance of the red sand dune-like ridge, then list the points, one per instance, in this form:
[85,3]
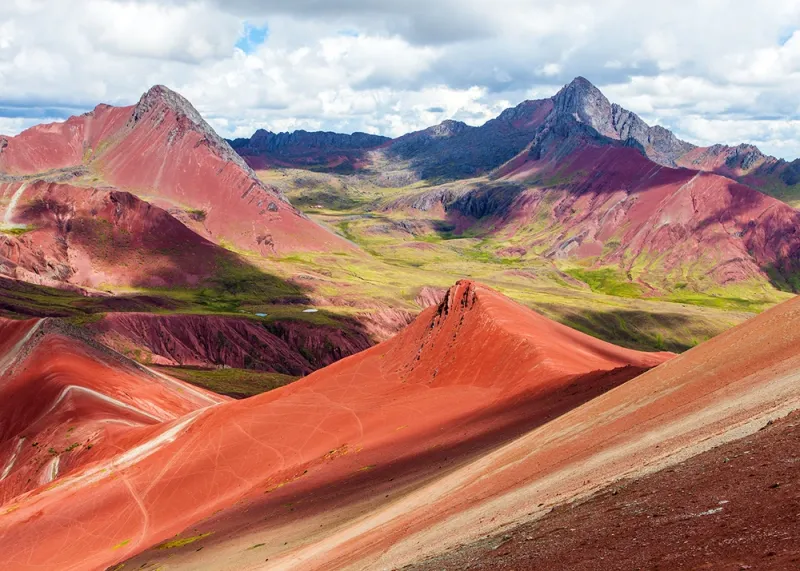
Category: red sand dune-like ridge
[476,369]
[720,391]
[66,403]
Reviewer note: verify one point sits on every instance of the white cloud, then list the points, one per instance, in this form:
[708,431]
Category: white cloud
[779,138]
[715,71]
[14,125]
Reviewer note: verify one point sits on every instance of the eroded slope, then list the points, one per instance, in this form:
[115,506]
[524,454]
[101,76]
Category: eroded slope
[161,148]
[467,374]
[68,403]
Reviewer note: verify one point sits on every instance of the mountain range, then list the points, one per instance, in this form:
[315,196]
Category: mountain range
[450,148]
[586,179]
[280,352]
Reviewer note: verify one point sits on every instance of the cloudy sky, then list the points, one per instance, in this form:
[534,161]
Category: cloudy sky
[711,70]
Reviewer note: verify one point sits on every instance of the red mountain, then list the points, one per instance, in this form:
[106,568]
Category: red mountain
[162,149]
[90,236]
[67,403]
[474,371]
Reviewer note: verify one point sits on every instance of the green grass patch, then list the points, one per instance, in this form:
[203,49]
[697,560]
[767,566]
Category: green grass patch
[788,283]
[237,383]
[607,281]
[713,300]
[183,541]
[16,230]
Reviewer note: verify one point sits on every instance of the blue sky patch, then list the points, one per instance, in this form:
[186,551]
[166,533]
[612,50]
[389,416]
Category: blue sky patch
[252,37]
[786,36]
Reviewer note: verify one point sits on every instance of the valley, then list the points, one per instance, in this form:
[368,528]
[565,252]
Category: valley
[315,350]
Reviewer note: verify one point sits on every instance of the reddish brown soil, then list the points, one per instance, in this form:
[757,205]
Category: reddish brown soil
[615,195]
[478,368]
[65,404]
[289,347]
[734,507]
[90,237]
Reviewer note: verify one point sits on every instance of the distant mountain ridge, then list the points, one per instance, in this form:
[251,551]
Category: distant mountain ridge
[305,148]
[453,150]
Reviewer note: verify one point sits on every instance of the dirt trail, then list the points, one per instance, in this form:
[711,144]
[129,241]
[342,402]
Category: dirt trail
[325,443]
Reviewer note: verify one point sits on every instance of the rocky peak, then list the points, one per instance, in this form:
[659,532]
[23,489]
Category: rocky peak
[458,300]
[744,156]
[159,100]
[585,103]
[447,128]
[158,96]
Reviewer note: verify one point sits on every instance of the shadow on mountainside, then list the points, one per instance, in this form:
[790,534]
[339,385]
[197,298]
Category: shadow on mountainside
[635,329]
[307,495]
[130,242]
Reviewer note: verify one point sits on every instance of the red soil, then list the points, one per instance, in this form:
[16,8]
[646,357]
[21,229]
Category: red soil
[162,148]
[734,507]
[478,369]
[289,347]
[615,195]
[65,405]
[722,390]
[59,145]
[94,236]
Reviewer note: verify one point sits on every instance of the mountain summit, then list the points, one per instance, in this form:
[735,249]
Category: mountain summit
[161,100]
[584,102]
[162,148]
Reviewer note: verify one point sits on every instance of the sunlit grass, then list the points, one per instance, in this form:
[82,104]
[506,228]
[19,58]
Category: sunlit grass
[239,383]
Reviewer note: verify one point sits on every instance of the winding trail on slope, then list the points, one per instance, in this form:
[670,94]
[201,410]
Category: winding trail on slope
[11,355]
[8,217]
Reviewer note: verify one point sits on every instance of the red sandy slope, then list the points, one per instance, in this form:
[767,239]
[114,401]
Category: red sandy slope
[733,507]
[161,148]
[478,368]
[720,391]
[65,404]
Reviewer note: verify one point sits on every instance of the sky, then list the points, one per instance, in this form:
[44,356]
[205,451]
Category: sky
[713,71]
